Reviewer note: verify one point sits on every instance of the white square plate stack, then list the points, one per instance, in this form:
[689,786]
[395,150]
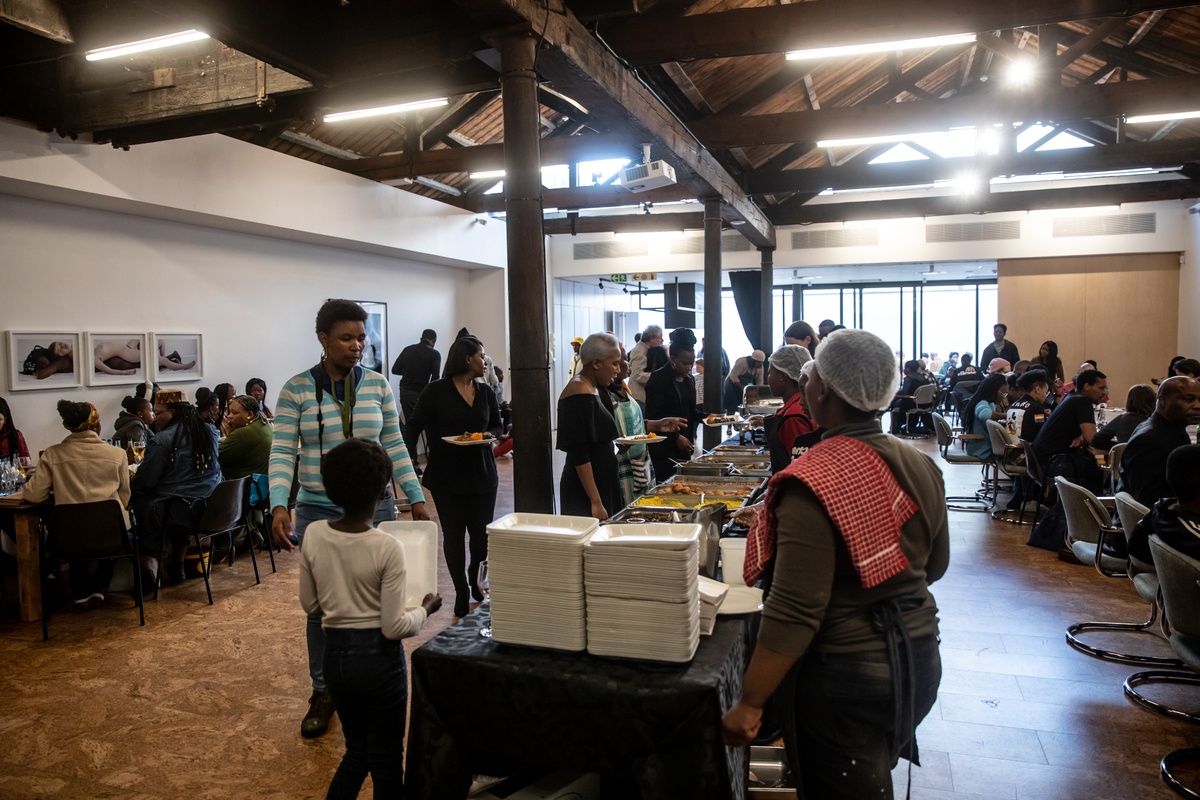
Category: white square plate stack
[535,570]
[643,591]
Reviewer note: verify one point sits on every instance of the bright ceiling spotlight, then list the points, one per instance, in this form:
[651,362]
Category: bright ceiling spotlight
[1021,72]
[142,45]
[880,47]
[342,116]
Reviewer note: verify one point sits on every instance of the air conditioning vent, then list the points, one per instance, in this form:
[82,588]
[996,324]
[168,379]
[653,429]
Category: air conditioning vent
[837,237]
[586,250]
[730,243]
[1108,225]
[973,231]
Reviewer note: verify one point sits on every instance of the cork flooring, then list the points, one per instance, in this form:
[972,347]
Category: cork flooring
[206,701]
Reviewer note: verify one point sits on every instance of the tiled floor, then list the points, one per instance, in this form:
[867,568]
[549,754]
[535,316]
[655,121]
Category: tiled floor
[206,700]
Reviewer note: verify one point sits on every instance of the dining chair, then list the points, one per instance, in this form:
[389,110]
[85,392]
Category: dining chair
[83,532]
[923,403]
[1089,527]
[1179,578]
[224,514]
[981,500]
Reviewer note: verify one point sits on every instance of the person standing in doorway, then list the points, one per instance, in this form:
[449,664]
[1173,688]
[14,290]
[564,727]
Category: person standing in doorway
[576,364]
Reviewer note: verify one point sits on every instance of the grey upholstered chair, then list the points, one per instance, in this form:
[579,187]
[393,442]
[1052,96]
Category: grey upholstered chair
[981,500]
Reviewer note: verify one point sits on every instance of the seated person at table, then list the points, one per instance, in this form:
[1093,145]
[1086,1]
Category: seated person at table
[257,388]
[1143,466]
[947,369]
[12,442]
[1069,386]
[1015,392]
[988,402]
[1139,405]
[246,448]
[965,371]
[847,587]
[136,421]
[1062,443]
[903,401]
[82,469]
[208,406]
[178,474]
[1189,367]
[1027,413]
[1175,518]
[999,366]
[354,576]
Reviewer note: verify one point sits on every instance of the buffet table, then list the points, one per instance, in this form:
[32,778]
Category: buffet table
[481,707]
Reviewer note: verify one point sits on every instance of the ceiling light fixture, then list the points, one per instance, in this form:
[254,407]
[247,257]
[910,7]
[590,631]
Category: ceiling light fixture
[1021,72]
[342,116]
[1082,211]
[1163,117]
[490,173]
[880,47]
[142,45]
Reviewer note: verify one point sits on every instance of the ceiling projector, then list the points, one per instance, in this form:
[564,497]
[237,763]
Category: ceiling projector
[647,175]
[644,177]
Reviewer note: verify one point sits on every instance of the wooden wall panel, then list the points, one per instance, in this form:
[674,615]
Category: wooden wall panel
[1121,310]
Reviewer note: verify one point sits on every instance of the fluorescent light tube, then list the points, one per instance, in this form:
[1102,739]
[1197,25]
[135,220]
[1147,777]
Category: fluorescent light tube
[1163,117]
[341,116]
[1073,212]
[141,46]
[880,47]
[491,173]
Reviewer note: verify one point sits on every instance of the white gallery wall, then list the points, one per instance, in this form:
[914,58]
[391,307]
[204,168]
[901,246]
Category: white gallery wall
[91,244]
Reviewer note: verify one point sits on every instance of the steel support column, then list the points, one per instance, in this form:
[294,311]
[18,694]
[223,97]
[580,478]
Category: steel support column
[767,334]
[712,317]
[529,330]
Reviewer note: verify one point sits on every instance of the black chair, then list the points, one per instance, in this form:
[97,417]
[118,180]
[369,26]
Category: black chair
[82,532]
[225,512]
[1179,579]
[982,500]
[923,403]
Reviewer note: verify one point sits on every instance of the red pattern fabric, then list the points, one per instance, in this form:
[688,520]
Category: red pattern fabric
[861,496]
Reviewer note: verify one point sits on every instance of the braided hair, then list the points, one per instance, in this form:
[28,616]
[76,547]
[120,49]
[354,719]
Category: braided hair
[189,426]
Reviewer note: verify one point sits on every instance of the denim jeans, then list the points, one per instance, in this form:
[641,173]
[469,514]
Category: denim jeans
[844,741]
[306,514]
[369,683]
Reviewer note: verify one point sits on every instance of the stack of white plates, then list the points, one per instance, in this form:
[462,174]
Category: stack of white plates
[535,570]
[643,596]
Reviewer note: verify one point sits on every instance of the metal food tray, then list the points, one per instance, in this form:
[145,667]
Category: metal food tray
[724,449]
[715,469]
[731,484]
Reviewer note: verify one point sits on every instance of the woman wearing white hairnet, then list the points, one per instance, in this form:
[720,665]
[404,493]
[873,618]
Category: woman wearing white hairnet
[790,431]
[854,531]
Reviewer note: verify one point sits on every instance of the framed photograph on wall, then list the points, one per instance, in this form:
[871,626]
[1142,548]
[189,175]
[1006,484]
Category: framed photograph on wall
[116,358]
[375,353]
[47,360]
[177,356]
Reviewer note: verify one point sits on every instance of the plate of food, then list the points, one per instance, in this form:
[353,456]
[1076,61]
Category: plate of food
[468,439]
[717,420]
[645,438]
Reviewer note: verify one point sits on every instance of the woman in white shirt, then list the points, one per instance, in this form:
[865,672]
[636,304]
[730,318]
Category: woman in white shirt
[354,575]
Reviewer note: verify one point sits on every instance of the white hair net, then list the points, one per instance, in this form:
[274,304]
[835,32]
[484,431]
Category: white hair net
[790,360]
[859,367]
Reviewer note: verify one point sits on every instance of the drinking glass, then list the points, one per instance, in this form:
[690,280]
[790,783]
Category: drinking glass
[139,449]
[24,463]
[486,631]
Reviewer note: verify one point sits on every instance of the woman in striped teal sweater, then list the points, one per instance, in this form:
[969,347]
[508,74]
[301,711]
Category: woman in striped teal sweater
[317,410]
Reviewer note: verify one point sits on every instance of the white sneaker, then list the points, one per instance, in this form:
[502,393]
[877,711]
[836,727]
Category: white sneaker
[91,601]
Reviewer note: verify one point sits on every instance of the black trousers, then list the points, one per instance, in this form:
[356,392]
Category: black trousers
[464,515]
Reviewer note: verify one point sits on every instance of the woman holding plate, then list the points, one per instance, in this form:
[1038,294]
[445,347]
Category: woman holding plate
[590,486]
[461,475]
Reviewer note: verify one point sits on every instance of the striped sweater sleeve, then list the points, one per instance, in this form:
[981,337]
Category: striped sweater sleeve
[285,441]
[393,442]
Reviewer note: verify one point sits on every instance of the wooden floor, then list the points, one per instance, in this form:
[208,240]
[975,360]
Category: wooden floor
[207,701]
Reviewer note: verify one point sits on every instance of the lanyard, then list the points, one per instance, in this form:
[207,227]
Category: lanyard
[345,406]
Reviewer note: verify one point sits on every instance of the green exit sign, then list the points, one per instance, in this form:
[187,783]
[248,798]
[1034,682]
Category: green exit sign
[618,277]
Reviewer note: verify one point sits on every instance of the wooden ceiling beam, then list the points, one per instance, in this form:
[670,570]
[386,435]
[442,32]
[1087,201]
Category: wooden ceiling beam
[626,223]
[43,17]
[780,28]
[1145,28]
[487,157]
[1044,104]
[582,68]
[990,203]
[1084,45]
[591,197]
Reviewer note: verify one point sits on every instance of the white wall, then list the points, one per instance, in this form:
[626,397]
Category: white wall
[1189,289]
[253,298]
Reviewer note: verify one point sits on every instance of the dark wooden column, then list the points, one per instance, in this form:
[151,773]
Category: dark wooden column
[528,326]
[712,318]
[767,332]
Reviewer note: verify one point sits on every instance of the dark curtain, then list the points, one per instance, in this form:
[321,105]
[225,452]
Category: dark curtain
[747,298]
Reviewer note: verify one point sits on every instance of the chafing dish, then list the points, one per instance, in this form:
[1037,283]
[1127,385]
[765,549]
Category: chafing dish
[709,518]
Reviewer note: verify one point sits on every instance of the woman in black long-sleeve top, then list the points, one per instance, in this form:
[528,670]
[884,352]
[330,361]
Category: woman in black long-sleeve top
[671,392]
[462,479]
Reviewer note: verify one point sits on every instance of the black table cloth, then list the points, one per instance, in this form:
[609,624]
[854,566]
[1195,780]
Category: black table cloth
[481,707]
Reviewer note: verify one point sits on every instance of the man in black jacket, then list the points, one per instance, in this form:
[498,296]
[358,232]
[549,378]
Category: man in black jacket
[1175,519]
[1001,348]
[1143,466]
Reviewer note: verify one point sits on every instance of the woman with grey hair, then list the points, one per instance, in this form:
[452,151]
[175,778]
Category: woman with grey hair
[589,486]
[853,532]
